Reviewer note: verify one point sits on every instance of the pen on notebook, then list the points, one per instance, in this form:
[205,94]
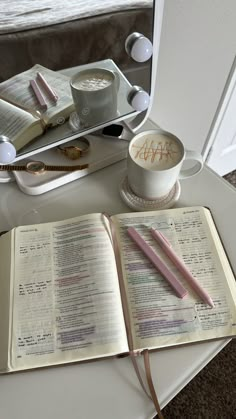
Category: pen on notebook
[48,88]
[38,94]
[166,246]
[157,262]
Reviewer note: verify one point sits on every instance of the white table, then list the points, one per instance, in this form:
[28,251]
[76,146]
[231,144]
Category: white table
[109,388]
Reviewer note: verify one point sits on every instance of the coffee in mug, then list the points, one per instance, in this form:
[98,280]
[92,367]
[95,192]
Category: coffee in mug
[156,151]
[94,81]
[154,163]
[95,94]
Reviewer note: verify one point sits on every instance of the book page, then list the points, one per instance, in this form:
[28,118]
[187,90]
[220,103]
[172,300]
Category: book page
[66,304]
[15,122]
[5,298]
[159,318]
[17,90]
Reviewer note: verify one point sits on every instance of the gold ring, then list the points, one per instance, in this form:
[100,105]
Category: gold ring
[75,152]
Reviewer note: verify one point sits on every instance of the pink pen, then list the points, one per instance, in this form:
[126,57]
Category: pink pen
[166,246]
[157,262]
[48,88]
[38,95]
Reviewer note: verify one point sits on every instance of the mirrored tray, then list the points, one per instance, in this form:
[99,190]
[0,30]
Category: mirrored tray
[69,131]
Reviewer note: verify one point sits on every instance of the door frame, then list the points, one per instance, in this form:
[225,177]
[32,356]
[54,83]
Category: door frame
[228,91]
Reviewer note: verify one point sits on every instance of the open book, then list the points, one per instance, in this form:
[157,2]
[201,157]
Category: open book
[80,289]
[21,116]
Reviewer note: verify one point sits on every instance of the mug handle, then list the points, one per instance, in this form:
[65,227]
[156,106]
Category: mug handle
[192,155]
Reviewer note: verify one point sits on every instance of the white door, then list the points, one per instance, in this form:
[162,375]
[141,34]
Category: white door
[220,150]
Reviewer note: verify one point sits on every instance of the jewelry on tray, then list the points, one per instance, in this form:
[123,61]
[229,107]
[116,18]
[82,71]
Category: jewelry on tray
[75,152]
[38,167]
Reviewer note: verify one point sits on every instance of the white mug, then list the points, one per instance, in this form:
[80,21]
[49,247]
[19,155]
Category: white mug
[94,93]
[154,163]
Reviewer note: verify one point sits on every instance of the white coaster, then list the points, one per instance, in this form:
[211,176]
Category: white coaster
[141,204]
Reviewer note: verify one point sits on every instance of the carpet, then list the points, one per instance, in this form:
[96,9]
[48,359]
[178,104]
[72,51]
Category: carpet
[212,393]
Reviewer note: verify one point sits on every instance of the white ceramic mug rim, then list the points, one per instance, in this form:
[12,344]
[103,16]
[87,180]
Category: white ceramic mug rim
[157,131]
[91,70]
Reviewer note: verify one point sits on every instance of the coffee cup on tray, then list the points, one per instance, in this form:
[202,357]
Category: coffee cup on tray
[94,93]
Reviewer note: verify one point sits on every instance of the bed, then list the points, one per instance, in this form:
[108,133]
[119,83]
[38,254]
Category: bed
[67,33]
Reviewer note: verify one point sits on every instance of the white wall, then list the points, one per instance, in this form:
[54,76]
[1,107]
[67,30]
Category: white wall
[198,45]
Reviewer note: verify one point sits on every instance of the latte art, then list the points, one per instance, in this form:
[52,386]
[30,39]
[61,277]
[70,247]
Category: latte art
[156,152]
[93,82]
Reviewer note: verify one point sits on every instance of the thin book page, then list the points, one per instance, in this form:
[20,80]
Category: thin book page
[5,300]
[66,304]
[17,90]
[222,255]
[14,121]
[158,317]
